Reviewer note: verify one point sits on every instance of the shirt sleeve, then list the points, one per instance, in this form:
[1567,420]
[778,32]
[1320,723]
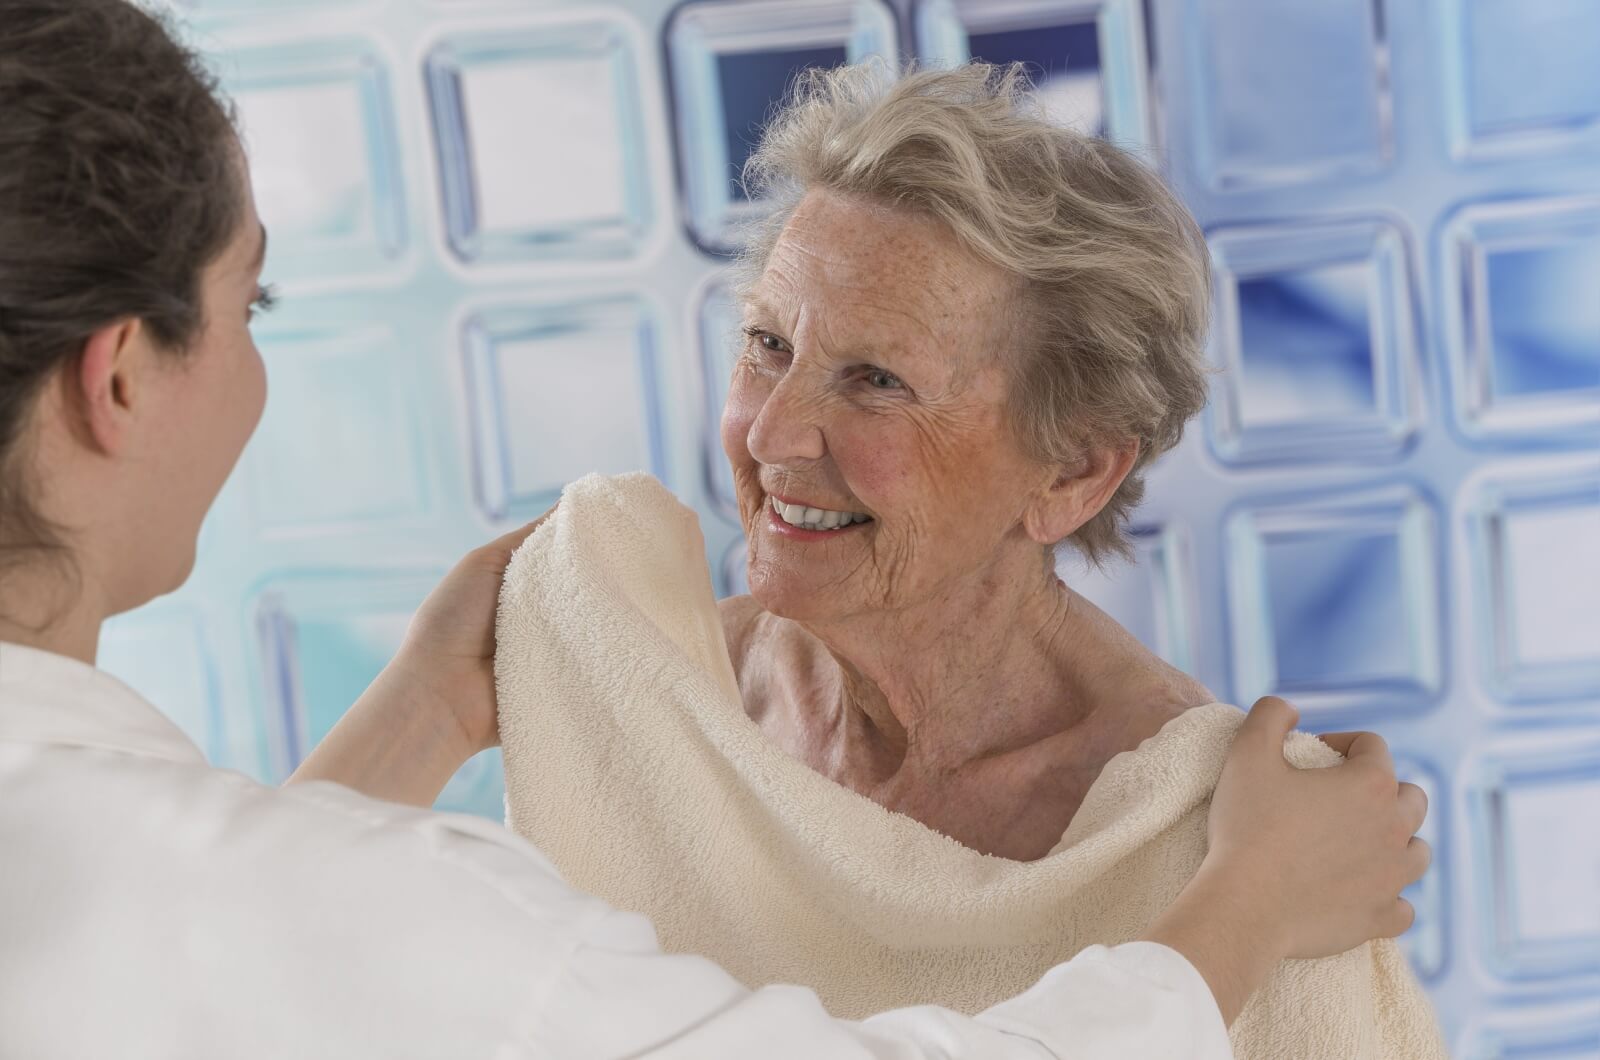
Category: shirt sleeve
[620,996]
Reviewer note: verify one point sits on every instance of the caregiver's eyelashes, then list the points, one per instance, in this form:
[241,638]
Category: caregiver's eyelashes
[265,301]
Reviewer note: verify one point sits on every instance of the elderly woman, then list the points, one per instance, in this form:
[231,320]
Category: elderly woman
[912,763]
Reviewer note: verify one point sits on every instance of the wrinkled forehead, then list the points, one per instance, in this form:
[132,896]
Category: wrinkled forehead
[847,255]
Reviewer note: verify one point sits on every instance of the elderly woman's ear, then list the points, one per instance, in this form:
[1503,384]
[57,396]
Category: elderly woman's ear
[1077,494]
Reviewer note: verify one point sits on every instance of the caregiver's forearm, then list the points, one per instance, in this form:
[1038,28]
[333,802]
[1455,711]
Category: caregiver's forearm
[1229,939]
[393,744]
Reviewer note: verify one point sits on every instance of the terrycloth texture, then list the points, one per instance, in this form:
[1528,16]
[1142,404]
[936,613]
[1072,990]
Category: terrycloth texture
[631,763]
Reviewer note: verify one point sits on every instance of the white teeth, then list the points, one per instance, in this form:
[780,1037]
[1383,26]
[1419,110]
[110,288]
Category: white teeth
[815,518]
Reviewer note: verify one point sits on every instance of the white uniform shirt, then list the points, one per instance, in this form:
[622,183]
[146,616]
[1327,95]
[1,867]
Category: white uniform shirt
[152,906]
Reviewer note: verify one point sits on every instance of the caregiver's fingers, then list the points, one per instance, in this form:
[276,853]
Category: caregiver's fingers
[1266,726]
[1369,750]
[1419,855]
[1339,741]
[1396,919]
[1413,807]
[501,548]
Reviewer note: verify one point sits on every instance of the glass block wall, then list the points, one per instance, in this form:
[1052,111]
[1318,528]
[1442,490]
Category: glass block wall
[499,227]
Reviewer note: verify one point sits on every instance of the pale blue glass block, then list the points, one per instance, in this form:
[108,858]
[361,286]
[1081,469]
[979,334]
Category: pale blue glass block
[478,787]
[556,392]
[1538,1036]
[720,338]
[1087,58]
[324,637]
[1538,869]
[1425,943]
[165,656]
[1288,90]
[1522,320]
[1536,557]
[730,65]
[540,143]
[1316,334]
[319,127]
[340,442]
[1524,74]
[1334,603]
[1152,597]
[735,572]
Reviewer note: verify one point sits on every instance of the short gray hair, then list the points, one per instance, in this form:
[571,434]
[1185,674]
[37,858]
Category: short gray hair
[1115,273]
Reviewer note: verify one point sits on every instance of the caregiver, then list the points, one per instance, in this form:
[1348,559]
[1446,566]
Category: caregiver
[153,906]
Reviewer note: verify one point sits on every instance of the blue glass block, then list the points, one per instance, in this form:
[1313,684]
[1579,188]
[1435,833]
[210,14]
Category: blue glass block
[540,143]
[341,441]
[1334,603]
[1536,554]
[1522,320]
[1316,335]
[165,655]
[719,336]
[1087,58]
[1152,598]
[1525,73]
[319,127]
[556,392]
[1425,944]
[324,637]
[1537,856]
[731,64]
[1538,1036]
[478,787]
[1288,90]
[735,573]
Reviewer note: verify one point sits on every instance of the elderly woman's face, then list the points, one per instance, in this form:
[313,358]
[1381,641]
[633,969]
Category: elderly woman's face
[866,421]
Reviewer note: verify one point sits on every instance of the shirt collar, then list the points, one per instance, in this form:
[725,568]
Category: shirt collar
[51,699]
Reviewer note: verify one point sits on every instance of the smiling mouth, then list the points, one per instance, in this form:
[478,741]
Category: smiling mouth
[803,518]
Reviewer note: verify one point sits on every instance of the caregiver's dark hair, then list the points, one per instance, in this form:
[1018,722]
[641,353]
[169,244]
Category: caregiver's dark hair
[119,183]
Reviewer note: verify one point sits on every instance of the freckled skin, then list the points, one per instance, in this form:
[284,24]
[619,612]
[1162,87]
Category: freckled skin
[929,659]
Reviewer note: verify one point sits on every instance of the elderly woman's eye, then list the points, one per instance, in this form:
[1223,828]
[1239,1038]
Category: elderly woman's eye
[878,379]
[766,340]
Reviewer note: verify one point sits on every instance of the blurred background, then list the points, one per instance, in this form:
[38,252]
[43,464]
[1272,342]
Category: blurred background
[500,228]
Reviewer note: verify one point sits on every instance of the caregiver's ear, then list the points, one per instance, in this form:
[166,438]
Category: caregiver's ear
[103,385]
[1077,493]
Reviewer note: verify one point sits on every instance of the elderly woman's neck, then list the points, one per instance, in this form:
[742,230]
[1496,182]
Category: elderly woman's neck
[976,672]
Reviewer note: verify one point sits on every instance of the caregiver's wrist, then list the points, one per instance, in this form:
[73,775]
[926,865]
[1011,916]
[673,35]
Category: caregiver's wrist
[448,700]
[1230,936]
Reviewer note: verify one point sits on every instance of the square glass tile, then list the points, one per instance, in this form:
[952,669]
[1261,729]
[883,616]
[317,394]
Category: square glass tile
[731,65]
[1334,602]
[1537,872]
[1315,334]
[499,101]
[318,125]
[556,392]
[1536,547]
[1287,91]
[1522,321]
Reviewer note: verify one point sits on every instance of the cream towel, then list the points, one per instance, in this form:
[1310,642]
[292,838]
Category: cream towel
[630,762]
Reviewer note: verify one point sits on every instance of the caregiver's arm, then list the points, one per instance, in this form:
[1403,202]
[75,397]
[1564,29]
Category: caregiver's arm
[432,707]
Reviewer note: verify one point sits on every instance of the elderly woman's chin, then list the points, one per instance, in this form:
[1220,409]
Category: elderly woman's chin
[788,588]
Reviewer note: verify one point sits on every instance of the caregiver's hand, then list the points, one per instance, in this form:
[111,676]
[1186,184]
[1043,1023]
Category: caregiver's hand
[433,706]
[448,651]
[1302,862]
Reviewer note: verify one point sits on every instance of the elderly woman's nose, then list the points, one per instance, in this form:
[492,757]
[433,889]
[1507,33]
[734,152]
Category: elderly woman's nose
[787,429]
